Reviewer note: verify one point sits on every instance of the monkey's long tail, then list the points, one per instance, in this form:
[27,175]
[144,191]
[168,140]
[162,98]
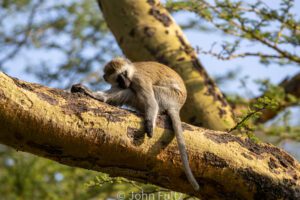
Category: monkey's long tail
[176,122]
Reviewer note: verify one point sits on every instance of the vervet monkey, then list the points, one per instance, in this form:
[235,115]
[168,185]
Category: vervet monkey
[150,88]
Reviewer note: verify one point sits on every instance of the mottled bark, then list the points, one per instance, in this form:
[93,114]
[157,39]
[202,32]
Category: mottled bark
[146,31]
[79,131]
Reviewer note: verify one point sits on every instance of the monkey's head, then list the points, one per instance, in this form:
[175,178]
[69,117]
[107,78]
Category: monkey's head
[119,71]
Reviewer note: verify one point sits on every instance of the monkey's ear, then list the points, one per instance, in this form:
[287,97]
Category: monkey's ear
[123,81]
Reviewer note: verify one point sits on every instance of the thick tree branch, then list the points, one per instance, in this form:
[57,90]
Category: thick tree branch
[145,31]
[78,131]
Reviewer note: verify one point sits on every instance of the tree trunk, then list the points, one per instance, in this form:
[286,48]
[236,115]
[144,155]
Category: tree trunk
[146,31]
[79,131]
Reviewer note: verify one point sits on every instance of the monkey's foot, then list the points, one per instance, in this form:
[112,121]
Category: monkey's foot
[149,128]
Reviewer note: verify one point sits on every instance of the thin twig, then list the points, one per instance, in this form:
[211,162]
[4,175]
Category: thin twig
[246,118]
[241,55]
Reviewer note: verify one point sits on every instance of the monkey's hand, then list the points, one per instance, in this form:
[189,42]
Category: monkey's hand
[79,88]
[148,128]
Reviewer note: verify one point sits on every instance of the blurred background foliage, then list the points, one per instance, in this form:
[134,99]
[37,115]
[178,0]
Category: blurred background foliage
[55,41]
[58,43]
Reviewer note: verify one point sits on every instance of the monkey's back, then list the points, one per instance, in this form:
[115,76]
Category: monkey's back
[162,76]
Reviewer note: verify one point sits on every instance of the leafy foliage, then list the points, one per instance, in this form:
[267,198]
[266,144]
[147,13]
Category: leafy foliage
[276,28]
[274,99]
[72,32]
[24,176]
[253,113]
[134,190]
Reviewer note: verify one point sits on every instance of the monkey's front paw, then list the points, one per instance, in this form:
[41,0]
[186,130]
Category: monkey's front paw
[78,88]
[149,128]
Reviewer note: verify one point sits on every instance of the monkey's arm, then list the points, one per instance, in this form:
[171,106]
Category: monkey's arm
[146,95]
[114,96]
[118,97]
[79,88]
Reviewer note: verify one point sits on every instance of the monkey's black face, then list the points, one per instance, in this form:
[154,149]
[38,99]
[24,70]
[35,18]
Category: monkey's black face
[105,77]
[123,80]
